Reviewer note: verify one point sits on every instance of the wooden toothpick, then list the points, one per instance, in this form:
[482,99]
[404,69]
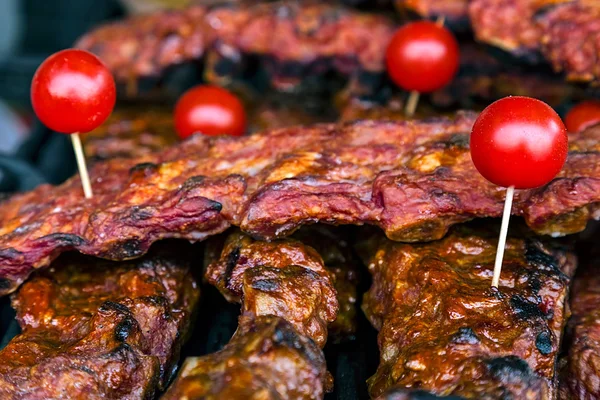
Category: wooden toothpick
[510,191]
[83,172]
[413,98]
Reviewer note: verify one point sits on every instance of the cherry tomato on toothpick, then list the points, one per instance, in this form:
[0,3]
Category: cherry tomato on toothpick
[72,91]
[582,116]
[422,56]
[209,110]
[519,141]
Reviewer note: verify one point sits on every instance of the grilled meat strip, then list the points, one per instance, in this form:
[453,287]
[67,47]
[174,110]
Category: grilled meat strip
[293,40]
[582,372]
[442,329]
[288,299]
[414,179]
[95,329]
[564,32]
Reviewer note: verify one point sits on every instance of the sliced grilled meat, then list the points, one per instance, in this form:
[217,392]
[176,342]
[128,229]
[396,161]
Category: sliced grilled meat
[444,330]
[414,179]
[288,299]
[95,329]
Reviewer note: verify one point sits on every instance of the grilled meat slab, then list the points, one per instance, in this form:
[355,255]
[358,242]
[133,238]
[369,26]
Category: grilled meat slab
[566,33]
[95,329]
[288,299]
[414,179]
[293,41]
[444,330]
[582,372]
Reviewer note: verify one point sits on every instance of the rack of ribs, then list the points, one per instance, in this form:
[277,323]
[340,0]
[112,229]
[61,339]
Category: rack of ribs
[288,297]
[443,329]
[98,329]
[292,40]
[414,179]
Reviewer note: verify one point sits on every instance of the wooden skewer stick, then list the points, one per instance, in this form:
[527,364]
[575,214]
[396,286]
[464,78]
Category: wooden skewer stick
[411,103]
[413,99]
[83,172]
[510,191]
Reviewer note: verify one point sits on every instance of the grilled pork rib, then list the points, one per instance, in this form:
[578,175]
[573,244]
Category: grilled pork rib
[414,179]
[443,330]
[288,300]
[96,329]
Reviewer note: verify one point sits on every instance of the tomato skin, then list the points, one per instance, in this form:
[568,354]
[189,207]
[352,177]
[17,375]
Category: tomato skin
[519,141]
[209,110]
[422,57]
[72,91]
[582,116]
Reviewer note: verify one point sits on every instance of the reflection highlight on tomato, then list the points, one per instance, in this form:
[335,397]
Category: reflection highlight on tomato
[209,110]
[72,91]
[583,115]
[519,141]
[422,56]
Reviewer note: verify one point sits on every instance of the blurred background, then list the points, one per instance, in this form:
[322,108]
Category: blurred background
[30,30]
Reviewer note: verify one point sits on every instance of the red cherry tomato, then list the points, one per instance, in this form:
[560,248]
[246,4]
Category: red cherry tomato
[519,141]
[422,57]
[583,115]
[209,110]
[72,91]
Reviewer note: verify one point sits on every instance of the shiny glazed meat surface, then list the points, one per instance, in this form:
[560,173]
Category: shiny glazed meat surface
[289,304]
[444,330]
[95,329]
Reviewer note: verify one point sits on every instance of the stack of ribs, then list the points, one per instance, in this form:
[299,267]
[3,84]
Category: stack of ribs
[443,330]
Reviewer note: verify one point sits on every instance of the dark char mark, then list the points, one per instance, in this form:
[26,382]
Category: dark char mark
[124,328]
[66,239]
[525,309]
[465,335]
[130,248]
[543,342]
[510,369]
[232,259]
[111,305]
[284,334]
[265,285]
[539,259]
